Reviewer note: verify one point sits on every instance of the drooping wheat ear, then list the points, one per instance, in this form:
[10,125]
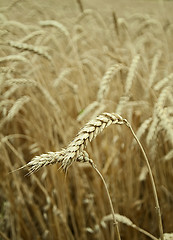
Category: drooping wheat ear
[28,47]
[88,133]
[75,150]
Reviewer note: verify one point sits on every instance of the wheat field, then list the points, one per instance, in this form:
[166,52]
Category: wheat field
[62,65]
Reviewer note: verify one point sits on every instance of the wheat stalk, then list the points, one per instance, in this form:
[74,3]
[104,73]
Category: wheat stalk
[152,180]
[75,151]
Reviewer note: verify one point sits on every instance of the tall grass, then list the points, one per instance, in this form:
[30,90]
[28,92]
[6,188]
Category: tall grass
[61,66]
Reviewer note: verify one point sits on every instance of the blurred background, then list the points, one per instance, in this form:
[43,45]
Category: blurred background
[61,64]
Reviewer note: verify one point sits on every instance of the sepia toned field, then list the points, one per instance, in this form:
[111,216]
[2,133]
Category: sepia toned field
[68,70]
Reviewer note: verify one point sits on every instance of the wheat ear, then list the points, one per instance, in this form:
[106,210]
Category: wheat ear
[75,150]
[88,133]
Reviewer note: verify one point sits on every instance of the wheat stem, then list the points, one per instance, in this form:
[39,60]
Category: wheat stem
[110,201]
[152,181]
